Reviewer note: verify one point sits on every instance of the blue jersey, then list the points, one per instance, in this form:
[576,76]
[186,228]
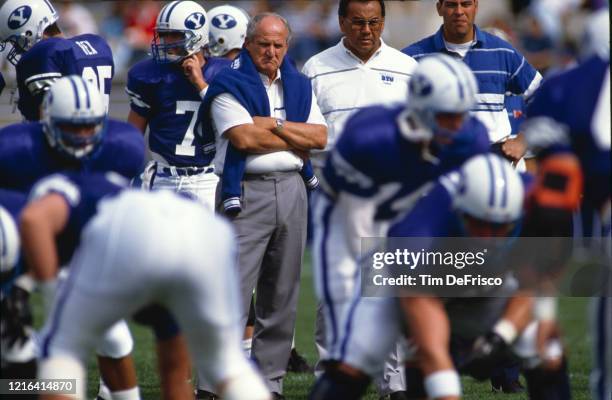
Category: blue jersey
[13,201]
[86,55]
[82,192]
[372,153]
[576,99]
[162,95]
[25,155]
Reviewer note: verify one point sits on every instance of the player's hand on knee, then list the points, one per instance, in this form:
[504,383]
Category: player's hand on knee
[488,351]
[17,315]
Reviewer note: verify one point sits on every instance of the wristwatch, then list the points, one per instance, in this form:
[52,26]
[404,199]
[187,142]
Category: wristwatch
[280,123]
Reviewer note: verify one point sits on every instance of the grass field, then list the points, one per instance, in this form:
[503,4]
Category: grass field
[574,322]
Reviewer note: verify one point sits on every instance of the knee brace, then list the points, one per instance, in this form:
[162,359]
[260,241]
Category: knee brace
[117,341]
[64,367]
[335,384]
[548,385]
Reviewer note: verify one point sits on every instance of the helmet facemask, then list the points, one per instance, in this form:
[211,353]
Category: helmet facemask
[24,42]
[23,23]
[173,51]
[216,47]
[79,146]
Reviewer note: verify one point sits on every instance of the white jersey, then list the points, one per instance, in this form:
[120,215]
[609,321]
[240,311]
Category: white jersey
[343,84]
[154,247]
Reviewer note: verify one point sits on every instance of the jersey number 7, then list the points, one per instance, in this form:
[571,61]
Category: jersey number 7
[186,148]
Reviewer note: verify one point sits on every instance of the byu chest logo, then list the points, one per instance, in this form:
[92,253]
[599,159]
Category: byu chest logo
[387,79]
[195,21]
[19,17]
[224,21]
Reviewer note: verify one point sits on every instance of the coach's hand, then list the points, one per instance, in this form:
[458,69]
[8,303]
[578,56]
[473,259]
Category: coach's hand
[193,71]
[514,148]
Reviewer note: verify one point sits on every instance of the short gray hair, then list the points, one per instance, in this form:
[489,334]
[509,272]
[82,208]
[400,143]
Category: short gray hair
[252,26]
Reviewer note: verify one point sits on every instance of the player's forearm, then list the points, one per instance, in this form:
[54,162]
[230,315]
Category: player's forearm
[429,331]
[304,136]
[519,310]
[39,246]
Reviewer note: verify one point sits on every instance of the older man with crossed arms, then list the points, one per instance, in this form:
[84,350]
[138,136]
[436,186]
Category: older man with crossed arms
[265,115]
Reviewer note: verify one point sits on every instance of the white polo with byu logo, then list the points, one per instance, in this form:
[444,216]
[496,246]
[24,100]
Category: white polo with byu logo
[344,84]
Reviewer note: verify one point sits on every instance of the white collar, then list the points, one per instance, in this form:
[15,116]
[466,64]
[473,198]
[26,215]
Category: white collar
[351,54]
[266,80]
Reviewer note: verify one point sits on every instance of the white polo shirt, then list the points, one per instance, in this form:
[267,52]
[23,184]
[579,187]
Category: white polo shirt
[227,112]
[344,84]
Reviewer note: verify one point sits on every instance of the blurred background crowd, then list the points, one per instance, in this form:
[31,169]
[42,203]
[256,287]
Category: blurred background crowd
[545,31]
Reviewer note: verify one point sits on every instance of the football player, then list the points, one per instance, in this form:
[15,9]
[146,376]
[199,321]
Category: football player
[198,284]
[41,54]
[228,26]
[75,134]
[384,160]
[483,200]
[165,94]
[568,127]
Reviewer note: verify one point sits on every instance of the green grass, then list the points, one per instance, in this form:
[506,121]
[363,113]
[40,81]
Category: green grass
[573,317]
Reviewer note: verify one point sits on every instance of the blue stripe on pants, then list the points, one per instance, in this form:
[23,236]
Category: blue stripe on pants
[325,274]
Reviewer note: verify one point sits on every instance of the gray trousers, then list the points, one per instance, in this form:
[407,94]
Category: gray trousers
[271,234]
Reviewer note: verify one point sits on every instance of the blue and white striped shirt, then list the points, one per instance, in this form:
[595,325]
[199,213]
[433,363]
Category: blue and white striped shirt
[499,69]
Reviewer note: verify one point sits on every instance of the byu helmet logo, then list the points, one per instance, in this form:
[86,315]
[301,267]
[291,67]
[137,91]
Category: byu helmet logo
[224,21]
[420,85]
[195,21]
[19,17]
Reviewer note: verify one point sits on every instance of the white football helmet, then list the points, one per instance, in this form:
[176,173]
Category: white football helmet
[73,102]
[440,84]
[490,190]
[9,241]
[187,18]
[22,24]
[228,26]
